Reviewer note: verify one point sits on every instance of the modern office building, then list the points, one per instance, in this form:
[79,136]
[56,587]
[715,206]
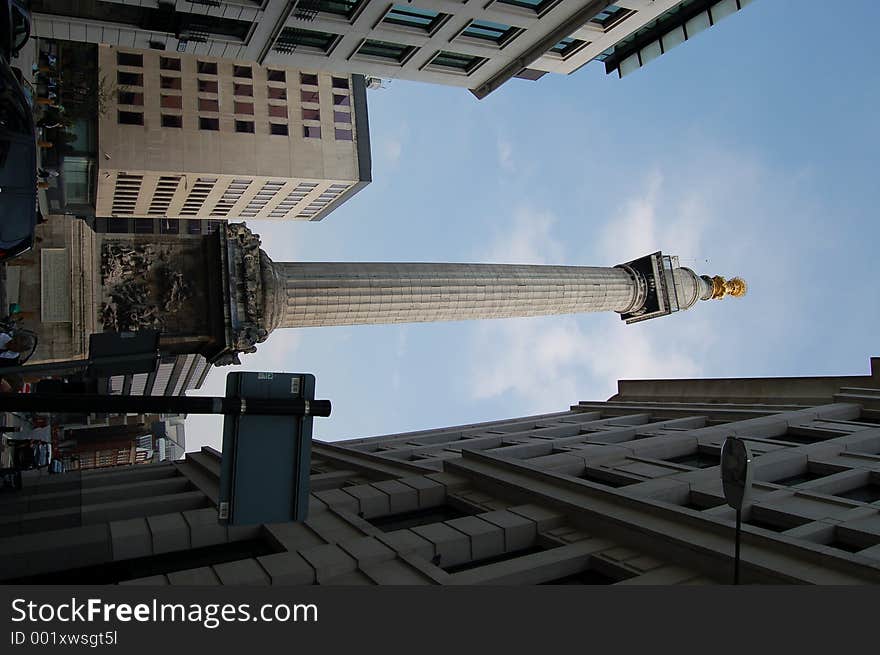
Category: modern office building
[625,491]
[474,45]
[192,137]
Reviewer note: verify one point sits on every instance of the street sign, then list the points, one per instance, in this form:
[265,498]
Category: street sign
[123,353]
[266,459]
[736,472]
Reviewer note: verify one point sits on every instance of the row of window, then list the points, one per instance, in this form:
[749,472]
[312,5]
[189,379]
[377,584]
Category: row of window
[212,124]
[136,60]
[428,21]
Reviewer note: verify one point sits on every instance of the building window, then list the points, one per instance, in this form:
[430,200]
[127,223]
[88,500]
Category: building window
[308,78]
[207,86]
[129,59]
[458,62]
[341,101]
[345,8]
[341,117]
[537,6]
[497,33]
[423,20]
[193,226]
[209,123]
[278,128]
[172,83]
[243,108]
[339,82]
[385,50]
[143,226]
[243,90]
[567,47]
[311,131]
[276,76]
[310,96]
[209,104]
[172,120]
[130,79]
[278,111]
[610,16]
[277,93]
[130,98]
[130,118]
[343,135]
[293,38]
[206,67]
[242,71]
[311,115]
[169,226]
[171,102]
[244,126]
[169,63]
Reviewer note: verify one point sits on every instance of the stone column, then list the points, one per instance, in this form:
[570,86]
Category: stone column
[313,294]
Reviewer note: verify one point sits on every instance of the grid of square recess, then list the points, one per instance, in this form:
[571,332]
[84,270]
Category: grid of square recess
[310,109]
[266,193]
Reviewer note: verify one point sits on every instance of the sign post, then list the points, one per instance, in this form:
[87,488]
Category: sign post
[736,479]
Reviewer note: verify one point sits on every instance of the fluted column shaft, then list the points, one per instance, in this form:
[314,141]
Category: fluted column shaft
[315,294]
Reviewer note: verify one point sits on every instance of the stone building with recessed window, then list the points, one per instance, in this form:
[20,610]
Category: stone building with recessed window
[476,45]
[625,491]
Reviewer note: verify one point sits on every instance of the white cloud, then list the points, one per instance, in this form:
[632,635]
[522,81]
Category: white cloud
[391,148]
[548,363]
[505,155]
[529,240]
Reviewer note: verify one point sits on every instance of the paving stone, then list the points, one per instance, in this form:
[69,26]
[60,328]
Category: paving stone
[329,561]
[131,538]
[487,540]
[452,546]
[241,572]
[287,569]
[519,531]
[170,532]
[431,493]
[401,498]
[367,550]
[204,528]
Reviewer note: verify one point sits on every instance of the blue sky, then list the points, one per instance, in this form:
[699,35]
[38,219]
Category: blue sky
[751,149]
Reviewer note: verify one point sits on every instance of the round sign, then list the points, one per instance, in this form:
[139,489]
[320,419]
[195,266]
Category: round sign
[736,472]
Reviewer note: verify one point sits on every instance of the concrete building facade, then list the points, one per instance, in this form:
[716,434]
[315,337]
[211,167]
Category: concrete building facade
[625,491]
[478,46]
[195,137]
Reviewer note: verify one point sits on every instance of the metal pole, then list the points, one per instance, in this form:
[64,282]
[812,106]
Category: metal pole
[736,553]
[74,364]
[75,403]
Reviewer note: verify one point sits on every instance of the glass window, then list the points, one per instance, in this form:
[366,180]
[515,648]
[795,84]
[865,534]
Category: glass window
[538,6]
[310,96]
[453,60]
[312,131]
[339,82]
[242,71]
[276,76]
[278,128]
[130,118]
[341,117]
[424,20]
[610,16]
[209,123]
[169,63]
[278,111]
[209,104]
[341,101]
[308,78]
[172,120]
[497,33]
[243,90]
[130,79]
[567,46]
[311,114]
[130,98]
[171,102]
[207,86]
[169,226]
[386,50]
[129,59]
[243,108]
[343,135]
[345,8]
[193,226]
[207,67]
[244,126]
[170,83]
[143,226]
[277,93]
[291,38]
